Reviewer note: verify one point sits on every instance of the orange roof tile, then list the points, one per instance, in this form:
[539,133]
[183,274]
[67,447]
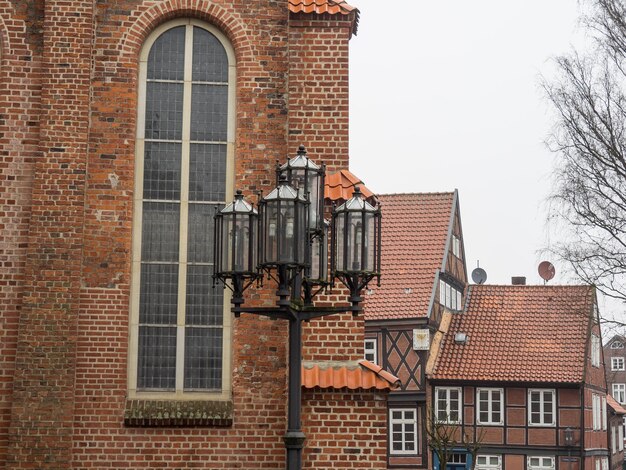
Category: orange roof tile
[349,374]
[339,186]
[617,408]
[331,7]
[414,234]
[519,334]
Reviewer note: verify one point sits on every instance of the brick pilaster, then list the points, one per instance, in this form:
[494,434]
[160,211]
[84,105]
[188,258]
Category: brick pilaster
[43,401]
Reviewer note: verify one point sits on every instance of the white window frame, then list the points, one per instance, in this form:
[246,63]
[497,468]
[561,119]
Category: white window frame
[617,345]
[405,420]
[448,401]
[620,437]
[542,422]
[456,246]
[595,350]
[370,346]
[605,463]
[617,363]
[449,296]
[619,392]
[596,412]
[488,462]
[542,465]
[490,421]
[225,393]
[613,439]
[604,413]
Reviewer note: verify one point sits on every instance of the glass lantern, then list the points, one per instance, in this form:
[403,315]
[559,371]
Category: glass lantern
[356,238]
[236,240]
[284,221]
[308,178]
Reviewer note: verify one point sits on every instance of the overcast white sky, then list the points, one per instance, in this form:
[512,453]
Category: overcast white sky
[445,95]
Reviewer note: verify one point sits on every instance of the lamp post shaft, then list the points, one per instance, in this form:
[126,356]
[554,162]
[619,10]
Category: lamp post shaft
[294,438]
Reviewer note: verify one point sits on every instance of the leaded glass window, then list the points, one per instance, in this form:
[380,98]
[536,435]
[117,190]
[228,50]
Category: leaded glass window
[184,147]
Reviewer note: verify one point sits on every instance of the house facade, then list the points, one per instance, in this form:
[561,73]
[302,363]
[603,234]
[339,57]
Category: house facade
[616,413]
[520,372]
[123,125]
[615,356]
[424,276]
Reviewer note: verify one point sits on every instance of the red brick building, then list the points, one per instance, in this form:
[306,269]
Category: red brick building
[614,364]
[122,125]
[521,368]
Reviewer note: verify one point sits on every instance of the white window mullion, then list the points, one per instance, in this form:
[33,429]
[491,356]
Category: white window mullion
[184,211]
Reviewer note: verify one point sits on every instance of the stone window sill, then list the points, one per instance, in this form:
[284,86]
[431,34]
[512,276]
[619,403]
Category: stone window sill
[156,413]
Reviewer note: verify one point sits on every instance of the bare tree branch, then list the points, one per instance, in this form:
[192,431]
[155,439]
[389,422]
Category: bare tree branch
[589,141]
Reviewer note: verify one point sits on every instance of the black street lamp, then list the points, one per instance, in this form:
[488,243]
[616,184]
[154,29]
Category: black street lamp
[569,442]
[288,237]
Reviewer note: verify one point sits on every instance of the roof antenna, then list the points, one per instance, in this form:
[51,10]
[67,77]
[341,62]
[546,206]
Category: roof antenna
[479,275]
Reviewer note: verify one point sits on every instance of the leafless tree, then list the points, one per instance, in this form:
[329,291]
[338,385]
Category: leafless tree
[442,438]
[589,198]
[445,437]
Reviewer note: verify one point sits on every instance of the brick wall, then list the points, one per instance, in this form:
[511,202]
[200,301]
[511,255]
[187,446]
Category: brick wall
[19,137]
[360,419]
[318,116]
[66,188]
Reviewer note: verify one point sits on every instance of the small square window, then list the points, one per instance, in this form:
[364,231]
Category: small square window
[617,363]
[488,462]
[540,463]
[370,350]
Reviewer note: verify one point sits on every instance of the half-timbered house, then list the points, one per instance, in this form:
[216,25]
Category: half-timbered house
[520,370]
[424,273]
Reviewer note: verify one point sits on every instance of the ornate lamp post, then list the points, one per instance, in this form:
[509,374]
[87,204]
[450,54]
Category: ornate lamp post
[288,239]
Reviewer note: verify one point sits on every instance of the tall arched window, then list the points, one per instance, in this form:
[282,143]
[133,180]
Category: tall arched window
[180,328]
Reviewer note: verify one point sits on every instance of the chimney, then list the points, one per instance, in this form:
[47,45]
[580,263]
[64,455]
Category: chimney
[518,280]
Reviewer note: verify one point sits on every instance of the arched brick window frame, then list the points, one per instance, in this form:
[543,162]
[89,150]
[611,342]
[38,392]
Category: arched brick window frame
[180,327]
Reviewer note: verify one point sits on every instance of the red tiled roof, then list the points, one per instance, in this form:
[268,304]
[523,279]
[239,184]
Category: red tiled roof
[321,6]
[339,187]
[519,333]
[353,375]
[617,408]
[414,234]
[331,7]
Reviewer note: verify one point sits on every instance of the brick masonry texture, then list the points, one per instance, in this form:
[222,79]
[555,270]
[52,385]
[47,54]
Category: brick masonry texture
[68,100]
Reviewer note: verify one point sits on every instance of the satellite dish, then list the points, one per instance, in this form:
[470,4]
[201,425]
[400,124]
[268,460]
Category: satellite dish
[546,270]
[479,276]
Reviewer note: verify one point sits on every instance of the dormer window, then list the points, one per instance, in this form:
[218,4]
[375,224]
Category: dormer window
[617,345]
